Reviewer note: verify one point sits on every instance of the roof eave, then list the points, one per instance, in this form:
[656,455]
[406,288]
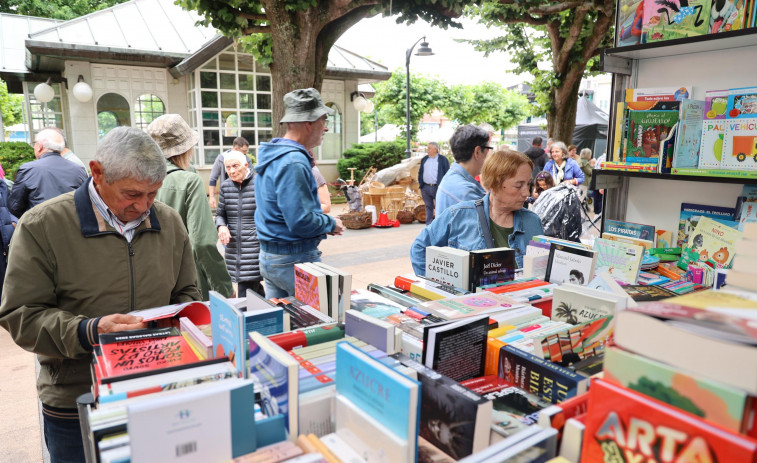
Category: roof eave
[195,60]
[88,52]
[365,76]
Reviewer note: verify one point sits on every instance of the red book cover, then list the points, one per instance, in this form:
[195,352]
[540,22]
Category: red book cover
[127,357]
[512,287]
[624,426]
[556,415]
[485,384]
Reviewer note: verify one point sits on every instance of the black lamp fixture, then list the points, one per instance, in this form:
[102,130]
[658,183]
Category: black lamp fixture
[423,50]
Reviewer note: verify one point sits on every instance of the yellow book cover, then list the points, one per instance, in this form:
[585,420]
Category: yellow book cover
[710,299]
[493,346]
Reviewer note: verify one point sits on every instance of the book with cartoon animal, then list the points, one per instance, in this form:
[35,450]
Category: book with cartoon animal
[630,20]
[715,104]
[689,137]
[713,241]
[646,130]
[674,19]
[728,15]
[692,213]
[742,103]
[740,143]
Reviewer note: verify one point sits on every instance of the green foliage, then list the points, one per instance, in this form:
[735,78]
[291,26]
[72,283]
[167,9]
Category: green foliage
[666,394]
[56,9]
[13,154]
[487,102]
[11,106]
[364,156]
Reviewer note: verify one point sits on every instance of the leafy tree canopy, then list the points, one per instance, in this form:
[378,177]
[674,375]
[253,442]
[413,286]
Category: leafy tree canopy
[56,9]
[569,34]
[10,106]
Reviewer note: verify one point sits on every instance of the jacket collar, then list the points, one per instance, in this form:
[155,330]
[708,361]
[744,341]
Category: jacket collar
[92,222]
[456,167]
[48,154]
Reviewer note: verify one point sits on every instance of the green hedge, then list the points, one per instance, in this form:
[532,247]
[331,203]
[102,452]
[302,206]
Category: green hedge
[364,156]
[13,154]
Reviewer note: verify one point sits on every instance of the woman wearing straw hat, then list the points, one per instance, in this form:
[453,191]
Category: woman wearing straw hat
[184,191]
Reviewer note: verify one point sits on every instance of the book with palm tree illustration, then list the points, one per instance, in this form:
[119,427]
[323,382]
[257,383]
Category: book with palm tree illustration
[578,304]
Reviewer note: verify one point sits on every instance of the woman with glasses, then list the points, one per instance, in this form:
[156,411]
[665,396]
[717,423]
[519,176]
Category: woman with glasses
[562,167]
[470,145]
[502,220]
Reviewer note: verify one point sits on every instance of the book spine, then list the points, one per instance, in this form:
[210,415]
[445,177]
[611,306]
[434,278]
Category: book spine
[538,376]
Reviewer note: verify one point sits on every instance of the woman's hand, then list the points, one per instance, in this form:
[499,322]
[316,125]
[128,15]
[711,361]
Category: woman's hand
[573,181]
[224,235]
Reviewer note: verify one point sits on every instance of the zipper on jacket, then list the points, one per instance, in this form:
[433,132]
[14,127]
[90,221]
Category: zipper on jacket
[239,233]
[131,275]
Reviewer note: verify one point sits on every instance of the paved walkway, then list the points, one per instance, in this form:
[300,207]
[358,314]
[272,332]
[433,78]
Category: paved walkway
[372,256]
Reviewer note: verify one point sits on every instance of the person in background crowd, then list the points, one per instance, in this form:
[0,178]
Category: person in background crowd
[548,148]
[81,261]
[67,154]
[235,218]
[470,145]
[562,168]
[537,155]
[596,195]
[573,152]
[289,219]
[47,177]
[323,190]
[184,191]
[506,175]
[432,170]
[7,226]
[584,162]
[542,182]
[218,171]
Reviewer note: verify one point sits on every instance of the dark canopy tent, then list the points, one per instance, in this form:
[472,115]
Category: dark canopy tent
[590,131]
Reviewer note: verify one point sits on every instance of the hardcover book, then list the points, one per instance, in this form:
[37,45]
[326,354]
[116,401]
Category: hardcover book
[456,349]
[710,400]
[711,147]
[547,380]
[228,328]
[468,305]
[310,287]
[630,229]
[620,260]
[620,417]
[569,264]
[630,19]
[711,240]
[667,20]
[740,143]
[448,265]
[742,103]
[691,213]
[715,104]
[646,130]
[491,266]
[689,137]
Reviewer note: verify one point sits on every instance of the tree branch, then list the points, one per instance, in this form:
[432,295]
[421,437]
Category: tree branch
[598,33]
[573,35]
[525,19]
[256,30]
[253,17]
[554,9]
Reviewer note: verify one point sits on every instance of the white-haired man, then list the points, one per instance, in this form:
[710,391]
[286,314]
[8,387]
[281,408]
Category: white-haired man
[47,177]
[80,262]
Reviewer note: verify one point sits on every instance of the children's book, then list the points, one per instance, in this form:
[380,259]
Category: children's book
[630,20]
[740,143]
[691,213]
[311,287]
[715,104]
[711,145]
[729,15]
[621,260]
[713,241]
[658,94]
[448,265]
[630,229]
[742,103]
[618,415]
[228,328]
[689,136]
[569,264]
[674,19]
[646,244]
[664,239]
[646,131]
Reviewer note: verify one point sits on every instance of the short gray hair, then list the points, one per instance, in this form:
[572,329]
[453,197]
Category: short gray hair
[562,146]
[127,152]
[434,144]
[50,139]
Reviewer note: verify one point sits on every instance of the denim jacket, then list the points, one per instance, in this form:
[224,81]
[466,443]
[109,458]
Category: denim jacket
[456,186]
[459,227]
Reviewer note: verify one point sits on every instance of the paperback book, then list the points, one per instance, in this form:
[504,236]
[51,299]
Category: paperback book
[569,264]
[514,410]
[138,351]
[713,241]
[491,266]
[691,213]
[630,229]
[457,349]
[574,344]
[468,305]
[689,137]
[621,261]
[228,328]
[448,265]
[311,288]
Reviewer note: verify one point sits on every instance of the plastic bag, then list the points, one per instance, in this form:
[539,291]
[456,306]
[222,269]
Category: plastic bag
[559,209]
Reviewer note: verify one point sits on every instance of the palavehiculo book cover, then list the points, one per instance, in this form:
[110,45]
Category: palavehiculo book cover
[740,143]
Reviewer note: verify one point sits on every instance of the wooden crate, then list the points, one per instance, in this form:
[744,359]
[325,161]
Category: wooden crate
[370,199]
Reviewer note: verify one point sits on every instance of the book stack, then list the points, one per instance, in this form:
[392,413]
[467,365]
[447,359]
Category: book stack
[469,270]
[323,287]
[742,275]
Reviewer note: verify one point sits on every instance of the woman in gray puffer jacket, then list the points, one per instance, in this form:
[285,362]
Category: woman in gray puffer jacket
[235,218]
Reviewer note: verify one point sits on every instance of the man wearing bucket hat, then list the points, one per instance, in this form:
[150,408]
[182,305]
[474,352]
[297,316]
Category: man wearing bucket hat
[289,218]
[184,191]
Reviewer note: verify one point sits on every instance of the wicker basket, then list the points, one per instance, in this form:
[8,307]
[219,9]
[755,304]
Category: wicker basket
[376,188]
[405,217]
[396,192]
[356,220]
[420,213]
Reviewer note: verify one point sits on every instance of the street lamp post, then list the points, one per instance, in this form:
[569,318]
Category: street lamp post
[424,50]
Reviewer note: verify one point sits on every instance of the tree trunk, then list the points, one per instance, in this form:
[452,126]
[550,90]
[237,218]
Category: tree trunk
[562,121]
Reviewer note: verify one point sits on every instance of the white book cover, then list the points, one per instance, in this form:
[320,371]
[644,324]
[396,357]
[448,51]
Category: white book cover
[341,449]
[345,288]
[535,265]
[570,265]
[371,330]
[448,265]
[740,144]
[316,413]
[576,307]
[621,260]
[711,148]
[202,425]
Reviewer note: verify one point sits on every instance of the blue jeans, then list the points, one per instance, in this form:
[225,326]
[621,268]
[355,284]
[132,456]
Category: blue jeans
[428,192]
[278,271]
[63,438]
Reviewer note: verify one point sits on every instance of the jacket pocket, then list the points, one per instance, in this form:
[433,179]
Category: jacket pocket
[54,368]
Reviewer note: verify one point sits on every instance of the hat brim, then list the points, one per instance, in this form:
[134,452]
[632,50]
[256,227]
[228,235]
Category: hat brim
[307,116]
[182,148]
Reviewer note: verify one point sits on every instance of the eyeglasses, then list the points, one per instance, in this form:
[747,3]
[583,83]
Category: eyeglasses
[486,147]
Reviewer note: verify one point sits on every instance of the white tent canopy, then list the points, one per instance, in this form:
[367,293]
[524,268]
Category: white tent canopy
[388,132]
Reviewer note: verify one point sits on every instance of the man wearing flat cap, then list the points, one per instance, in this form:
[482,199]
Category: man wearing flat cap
[289,219]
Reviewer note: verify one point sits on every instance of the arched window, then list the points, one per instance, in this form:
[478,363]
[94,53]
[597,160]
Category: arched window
[332,140]
[148,108]
[112,112]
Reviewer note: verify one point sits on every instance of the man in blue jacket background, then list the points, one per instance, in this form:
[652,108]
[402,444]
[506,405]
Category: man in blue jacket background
[433,168]
[289,218]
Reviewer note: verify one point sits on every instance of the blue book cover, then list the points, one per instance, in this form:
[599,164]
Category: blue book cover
[381,392]
[227,325]
[691,213]
[689,136]
[267,322]
[630,229]
[742,102]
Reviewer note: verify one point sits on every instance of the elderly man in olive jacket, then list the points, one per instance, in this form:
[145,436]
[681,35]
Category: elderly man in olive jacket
[80,262]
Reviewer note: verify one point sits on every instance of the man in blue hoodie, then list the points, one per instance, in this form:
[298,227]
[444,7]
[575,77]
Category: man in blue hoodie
[289,219]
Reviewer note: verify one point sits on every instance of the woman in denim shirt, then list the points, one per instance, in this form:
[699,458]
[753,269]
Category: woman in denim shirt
[506,174]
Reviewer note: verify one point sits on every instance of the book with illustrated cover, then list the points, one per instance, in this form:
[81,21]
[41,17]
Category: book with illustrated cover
[228,329]
[618,415]
[740,143]
[675,19]
[468,305]
[569,264]
[715,104]
[691,214]
[620,260]
[373,304]
[491,266]
[514,410]
[630,19]
[574,344]
[646,244]
[711,146]
[574,304]
[630,229]
[742,103]
[711,240]
[343,280]
[646,131]
[689,136]
[648,293]
[448,265]
[729,15]
[311,287]
[650,100]
[136,351]
[711,400]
